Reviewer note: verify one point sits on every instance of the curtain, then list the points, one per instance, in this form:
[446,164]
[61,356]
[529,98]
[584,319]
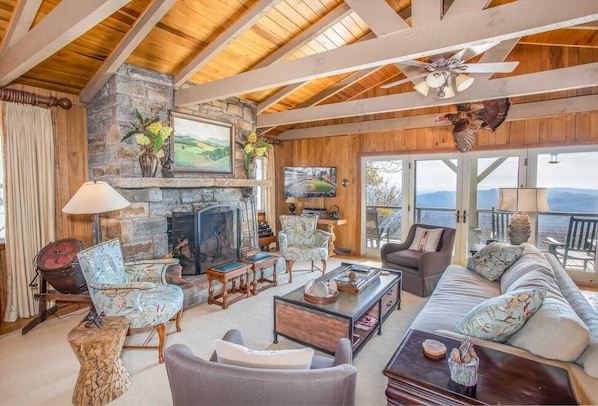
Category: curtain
[270,193]
[29,200]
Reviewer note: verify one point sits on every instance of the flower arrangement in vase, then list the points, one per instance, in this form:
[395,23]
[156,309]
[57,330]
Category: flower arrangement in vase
[254,147]
[151,136]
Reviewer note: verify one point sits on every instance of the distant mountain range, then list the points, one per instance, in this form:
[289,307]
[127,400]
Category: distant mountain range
[559,200]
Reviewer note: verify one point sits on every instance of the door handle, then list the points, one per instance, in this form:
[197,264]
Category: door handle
[458,216]
[464,216]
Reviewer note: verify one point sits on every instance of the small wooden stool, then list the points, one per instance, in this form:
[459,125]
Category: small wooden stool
[228,272]
[258,263]
[103,376]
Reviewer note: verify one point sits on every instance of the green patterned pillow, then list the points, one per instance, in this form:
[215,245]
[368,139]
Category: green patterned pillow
[498,318]
[494,259]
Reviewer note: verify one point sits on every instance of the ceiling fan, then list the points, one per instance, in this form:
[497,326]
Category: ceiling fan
[448,73]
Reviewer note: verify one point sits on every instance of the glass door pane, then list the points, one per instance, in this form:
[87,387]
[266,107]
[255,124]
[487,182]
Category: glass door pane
[382,211]
[572,194]
[435,192]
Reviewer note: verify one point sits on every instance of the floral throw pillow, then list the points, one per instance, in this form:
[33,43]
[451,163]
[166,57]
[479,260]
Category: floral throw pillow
[498,318]
[494,259]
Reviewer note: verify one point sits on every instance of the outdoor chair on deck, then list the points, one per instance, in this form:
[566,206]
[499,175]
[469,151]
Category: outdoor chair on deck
[500,225]
[137,291]
[300,240]
[580,246]
[374,234]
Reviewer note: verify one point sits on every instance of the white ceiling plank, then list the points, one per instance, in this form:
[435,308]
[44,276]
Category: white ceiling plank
[501,23]
[20,22]
[379,16]
[522,111]
[308,35]
[425,13]
[144,24]
[67,21]
[248,20]
[541,82]
[465,6]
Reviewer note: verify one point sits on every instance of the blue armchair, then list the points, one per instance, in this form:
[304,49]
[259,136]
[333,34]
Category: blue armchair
[136,291]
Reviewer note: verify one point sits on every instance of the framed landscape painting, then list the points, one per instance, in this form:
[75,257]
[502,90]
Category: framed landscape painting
[201,145]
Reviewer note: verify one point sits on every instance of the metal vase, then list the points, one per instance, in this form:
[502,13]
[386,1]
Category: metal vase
[149,164]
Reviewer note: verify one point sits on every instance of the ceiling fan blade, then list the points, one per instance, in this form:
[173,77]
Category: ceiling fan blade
[473,51]
[407,79]
[497,67]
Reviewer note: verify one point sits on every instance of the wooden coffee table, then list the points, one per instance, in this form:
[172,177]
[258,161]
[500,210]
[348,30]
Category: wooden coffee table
[323,325]
[502,378]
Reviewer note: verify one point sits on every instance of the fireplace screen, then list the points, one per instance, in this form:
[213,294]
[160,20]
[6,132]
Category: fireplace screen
[213,235]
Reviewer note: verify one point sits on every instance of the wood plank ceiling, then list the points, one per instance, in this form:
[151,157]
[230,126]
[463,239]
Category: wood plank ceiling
[308,65]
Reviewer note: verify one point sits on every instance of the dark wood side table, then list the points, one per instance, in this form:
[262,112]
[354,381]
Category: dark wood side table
[503,378]
[258,263]
[224,273]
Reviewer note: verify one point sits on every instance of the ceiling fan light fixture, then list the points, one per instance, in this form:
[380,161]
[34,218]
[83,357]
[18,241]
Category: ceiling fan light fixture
[435,80]
[446,92]
[463,81]
[422,88]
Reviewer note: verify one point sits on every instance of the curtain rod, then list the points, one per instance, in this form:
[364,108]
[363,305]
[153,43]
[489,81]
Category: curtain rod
[20,96]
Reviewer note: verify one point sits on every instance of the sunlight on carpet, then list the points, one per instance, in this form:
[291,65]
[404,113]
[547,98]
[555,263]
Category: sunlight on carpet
[40,368]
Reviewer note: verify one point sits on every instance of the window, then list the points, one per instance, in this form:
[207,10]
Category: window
[260,174]
[2,208]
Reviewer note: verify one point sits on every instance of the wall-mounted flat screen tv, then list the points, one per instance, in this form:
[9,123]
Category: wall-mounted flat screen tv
[310,181]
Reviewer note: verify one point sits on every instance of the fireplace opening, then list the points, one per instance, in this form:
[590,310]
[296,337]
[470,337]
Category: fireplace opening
[213,237]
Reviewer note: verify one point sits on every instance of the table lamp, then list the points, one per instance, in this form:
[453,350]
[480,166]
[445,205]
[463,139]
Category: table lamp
[521,201]
[95,197]
[291,202]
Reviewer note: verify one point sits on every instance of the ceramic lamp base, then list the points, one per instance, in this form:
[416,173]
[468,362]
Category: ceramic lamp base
[519,228]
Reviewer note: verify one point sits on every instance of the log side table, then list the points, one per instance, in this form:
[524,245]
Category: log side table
[259,263]
[224,273]
[103,376]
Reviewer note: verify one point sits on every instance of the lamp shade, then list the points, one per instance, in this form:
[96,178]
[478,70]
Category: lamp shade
[95,197]
[422,88]
[463,81]
[446,92]
[291,200]
[435,80]
[523,199]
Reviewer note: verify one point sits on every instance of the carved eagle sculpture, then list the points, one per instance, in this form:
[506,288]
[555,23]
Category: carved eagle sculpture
[470,117]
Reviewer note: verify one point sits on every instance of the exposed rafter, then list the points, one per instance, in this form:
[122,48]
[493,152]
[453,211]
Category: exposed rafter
[414,43]
[20,23]
[67,21]
[154,13]
[549,81]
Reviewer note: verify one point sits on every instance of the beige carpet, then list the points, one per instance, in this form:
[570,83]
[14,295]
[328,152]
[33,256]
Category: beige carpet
[40,368]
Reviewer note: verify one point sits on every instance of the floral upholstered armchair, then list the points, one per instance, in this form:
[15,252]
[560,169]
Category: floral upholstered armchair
[137,291]
[299,240]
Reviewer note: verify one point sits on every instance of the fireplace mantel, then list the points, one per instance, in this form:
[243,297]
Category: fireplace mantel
[182,183]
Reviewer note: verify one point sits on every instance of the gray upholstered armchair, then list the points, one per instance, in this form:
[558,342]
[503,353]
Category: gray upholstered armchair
[421,268]
[300,240]
[196,381]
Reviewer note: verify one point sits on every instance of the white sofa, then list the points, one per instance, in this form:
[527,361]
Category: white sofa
[568,339]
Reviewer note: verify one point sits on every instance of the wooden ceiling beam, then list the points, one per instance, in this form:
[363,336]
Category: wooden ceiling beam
[517,112]
[144,24]
[575,77]
[248,20]
[516,19]
[426,13]
[379,16]
[66,22]
[465,6]
[20,22]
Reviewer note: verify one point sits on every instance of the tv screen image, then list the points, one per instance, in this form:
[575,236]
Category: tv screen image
[310,181]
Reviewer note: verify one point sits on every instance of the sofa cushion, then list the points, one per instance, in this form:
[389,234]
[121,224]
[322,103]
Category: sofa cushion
[494,259]
[553,324]
[426,239]
[235,354]
[498,318]
[527,263]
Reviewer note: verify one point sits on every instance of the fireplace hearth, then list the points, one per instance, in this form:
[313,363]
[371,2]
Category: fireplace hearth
[205,238]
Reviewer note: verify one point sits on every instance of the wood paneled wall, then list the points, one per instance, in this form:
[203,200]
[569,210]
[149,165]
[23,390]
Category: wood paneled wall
[345,153]
[70,143]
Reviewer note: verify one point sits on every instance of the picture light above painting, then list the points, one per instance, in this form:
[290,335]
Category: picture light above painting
[201,145]
[310,181]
